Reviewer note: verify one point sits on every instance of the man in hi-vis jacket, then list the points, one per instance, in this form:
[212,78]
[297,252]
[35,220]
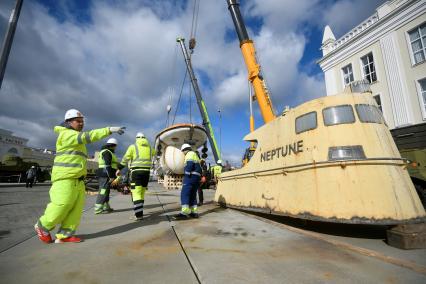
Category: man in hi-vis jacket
[138,158]
[191,182]
[67,193]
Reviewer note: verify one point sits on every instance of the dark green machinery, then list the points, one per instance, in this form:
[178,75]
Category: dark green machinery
[13,169]
[411,143]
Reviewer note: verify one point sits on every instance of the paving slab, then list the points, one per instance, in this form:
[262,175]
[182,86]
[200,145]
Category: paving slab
[20,208]
[223,245]
[115,250]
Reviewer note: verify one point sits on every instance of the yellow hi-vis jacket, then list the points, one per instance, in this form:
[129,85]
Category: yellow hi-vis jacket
[138,155]
[71,153]
[192,164]
[216,170]
[101,161]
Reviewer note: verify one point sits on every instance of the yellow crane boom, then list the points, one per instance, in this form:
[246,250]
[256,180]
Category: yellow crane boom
[249,53]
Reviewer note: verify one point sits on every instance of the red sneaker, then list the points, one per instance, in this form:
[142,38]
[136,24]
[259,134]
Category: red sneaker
[72,239]
[42,235]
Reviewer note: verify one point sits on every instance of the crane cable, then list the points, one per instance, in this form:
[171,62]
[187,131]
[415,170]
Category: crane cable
[194,24]
[190,103]
[180,95]
[192,42]
[172,90]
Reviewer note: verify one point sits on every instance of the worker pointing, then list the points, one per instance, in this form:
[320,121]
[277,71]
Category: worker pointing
[191,181]
[108,166]
[67,193]
[138,158]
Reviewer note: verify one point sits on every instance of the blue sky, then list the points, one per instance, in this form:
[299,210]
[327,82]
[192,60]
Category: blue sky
[117,62]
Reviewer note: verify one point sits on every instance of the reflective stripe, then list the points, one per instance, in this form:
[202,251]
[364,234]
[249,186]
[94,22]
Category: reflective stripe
[44,229]
[79,141]
[79,153]
[139,210]
[101,162]
[185,210]
[66,232]
[67,165]
[194,173]
[142,160]
[87,135]
[137,205]
[137,151]
[139,162]
[191,156]
[139,169]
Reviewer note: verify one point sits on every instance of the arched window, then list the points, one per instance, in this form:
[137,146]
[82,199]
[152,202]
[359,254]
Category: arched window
[13,151]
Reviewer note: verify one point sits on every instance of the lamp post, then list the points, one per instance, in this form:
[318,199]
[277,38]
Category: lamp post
[220,129]
[8,39]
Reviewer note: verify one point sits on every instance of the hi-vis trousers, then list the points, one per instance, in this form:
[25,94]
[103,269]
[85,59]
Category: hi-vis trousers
[138,184]
[65,208]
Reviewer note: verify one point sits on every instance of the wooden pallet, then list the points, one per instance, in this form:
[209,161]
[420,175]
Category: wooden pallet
[172,182]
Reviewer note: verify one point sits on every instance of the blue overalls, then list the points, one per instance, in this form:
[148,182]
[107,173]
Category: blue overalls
[191,182]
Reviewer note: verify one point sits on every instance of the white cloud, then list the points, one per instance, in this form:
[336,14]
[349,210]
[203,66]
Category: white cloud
[345,14]
[118,67]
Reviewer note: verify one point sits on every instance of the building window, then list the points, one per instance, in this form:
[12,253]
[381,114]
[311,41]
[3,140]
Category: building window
[378,102]
[348,74]
[368,68]
[418,41]
[422,85]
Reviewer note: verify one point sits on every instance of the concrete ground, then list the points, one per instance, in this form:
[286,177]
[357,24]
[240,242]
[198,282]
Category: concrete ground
[223,245]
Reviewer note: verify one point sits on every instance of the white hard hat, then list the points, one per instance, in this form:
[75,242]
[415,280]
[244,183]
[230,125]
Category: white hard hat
[112,141]
[185,146]
[219,162]
[140,135]
[73,113]
[32,167]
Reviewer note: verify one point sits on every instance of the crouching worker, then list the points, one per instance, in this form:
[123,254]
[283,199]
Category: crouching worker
[67,193]
[191,182]
[108,166]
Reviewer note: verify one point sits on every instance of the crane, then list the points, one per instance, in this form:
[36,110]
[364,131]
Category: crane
[254,73]
[200,102]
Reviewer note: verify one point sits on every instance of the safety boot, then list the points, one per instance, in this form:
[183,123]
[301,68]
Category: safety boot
[194,215]
[72,239]
[134,218]
[98,208]
[180,216]
[42,235]
[107,208]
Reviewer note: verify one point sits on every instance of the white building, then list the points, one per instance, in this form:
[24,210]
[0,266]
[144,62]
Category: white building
[11,145]
[389,50]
